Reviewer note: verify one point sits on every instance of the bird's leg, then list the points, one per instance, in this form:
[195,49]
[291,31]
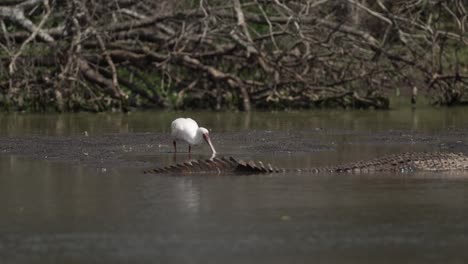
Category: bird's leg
[174,156]
[189,152]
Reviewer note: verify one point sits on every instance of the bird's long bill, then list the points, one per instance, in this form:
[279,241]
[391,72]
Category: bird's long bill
[208,140]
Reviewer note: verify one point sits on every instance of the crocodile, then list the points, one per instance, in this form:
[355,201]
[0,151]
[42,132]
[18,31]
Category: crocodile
[405,162]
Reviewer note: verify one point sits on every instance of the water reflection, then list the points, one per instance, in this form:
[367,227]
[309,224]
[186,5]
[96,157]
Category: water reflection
[60,212]
[73,124]
[188,195]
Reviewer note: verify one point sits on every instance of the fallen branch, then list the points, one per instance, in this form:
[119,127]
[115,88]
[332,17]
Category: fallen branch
[19,16]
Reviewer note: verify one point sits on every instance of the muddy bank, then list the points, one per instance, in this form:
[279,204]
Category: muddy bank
[87,150]
[115,149]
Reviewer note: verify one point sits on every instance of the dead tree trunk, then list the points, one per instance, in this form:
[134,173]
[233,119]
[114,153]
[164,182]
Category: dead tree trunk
[97,55]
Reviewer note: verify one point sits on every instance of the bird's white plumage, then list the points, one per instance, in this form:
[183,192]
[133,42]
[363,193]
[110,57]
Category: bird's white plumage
[185,129]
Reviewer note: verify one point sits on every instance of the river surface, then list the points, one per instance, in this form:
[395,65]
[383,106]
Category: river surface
[60,211]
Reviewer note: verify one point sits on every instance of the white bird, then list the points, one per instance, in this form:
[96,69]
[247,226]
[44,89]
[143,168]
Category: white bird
[187,129]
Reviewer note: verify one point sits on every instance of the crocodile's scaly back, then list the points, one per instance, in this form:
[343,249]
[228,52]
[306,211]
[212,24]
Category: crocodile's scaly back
[411,161]
[406,162]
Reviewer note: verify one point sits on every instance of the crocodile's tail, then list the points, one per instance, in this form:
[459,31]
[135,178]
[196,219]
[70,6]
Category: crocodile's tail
[218,165]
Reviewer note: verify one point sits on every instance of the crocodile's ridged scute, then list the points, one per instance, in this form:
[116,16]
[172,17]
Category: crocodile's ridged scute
[218,165]
[406,162]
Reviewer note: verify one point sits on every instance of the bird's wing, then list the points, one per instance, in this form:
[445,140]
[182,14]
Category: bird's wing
[191,123]
[184,128]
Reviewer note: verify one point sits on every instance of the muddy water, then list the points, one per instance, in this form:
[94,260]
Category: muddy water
[64,212]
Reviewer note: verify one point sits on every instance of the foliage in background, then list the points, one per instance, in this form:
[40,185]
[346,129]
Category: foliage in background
[100,55]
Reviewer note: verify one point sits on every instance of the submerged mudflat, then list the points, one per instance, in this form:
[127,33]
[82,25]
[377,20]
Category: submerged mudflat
[288,148]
